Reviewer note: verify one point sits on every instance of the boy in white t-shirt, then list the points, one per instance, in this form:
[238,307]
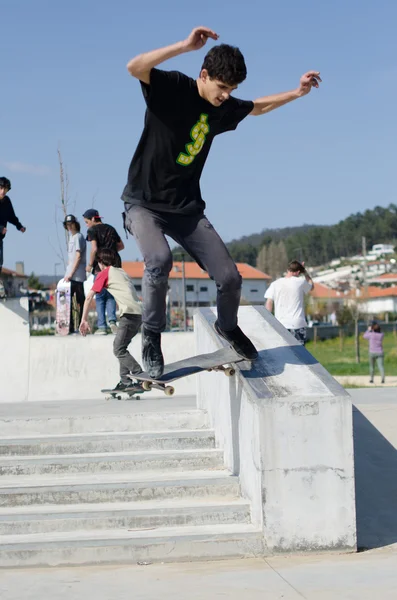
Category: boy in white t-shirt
[122,289]
[287,296]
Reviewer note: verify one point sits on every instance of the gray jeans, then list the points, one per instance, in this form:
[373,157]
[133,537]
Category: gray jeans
[379,358]
[128,328]
[198,237]
[1,252]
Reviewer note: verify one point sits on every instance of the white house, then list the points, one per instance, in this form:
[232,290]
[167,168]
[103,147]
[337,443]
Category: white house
[376,300]
[200,289]
[379,249]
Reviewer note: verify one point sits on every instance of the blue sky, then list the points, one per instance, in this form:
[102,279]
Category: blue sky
[316,160]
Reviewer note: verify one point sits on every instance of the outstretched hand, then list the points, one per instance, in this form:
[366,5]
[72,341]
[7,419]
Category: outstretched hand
[309,80]
[198,38]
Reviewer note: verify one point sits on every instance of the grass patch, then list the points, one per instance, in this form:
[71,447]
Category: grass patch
[338,362]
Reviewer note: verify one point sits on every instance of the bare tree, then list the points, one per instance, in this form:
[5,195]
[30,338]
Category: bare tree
[63,208]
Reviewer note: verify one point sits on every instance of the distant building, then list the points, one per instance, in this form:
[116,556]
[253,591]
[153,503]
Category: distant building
[374,300]
[14,282]
[379,249]
[200,289]
[325,297]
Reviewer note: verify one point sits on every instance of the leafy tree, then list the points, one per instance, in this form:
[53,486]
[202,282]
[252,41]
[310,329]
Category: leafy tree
[34,282]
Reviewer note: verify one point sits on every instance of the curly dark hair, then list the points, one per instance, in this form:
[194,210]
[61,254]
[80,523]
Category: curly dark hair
[5,183]
[225,63]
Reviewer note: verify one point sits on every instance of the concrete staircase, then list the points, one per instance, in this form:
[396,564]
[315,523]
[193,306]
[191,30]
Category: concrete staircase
[91,488]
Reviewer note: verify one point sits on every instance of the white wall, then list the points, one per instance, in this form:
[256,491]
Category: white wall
[14,349]
[380,305]
[72,367]
[195,296]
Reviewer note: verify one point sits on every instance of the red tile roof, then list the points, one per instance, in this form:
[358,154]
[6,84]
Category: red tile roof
[192,271]
[322,291]
[11,273]
[387,276]
[375,292]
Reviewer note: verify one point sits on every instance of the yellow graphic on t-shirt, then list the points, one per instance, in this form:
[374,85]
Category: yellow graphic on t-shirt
[198,134]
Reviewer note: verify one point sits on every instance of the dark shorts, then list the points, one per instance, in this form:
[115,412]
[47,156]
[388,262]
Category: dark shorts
[299,334]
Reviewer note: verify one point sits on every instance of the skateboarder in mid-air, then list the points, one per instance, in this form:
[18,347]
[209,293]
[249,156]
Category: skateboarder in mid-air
[7,215]
[116,280]
[162,195]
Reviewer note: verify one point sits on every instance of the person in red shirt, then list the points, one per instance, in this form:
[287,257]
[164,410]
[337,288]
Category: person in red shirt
[116,280]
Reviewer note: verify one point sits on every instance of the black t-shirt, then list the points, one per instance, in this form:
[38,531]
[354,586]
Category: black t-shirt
[105,236]
[7,215]
[165,170]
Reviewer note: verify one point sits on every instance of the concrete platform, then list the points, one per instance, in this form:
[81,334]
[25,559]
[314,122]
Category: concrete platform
[350,577]
[375,456]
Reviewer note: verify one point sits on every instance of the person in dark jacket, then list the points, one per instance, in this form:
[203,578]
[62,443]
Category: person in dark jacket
[7,214]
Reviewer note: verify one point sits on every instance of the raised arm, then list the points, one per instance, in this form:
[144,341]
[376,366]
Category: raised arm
[267,103]
[308,278]
[141,65]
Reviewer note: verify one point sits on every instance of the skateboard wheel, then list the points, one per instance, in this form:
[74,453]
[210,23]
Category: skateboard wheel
[209,370]
[229,372]
[147,385]
[169,390]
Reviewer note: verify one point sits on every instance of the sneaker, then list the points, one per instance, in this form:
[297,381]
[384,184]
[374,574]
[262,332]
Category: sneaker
[238,341]
[371,380]
[135,386]
[113,326]
[101,332]
[120,387]
[153,361]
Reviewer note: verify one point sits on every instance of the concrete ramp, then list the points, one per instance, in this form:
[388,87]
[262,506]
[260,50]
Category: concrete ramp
[285,426]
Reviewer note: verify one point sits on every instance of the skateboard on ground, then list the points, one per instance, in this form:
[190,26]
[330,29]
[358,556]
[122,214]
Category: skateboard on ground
[214,361]
[62,318]
[134,390]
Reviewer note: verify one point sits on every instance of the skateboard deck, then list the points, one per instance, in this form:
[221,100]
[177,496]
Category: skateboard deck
[132,392]
[63,308]
[214,361]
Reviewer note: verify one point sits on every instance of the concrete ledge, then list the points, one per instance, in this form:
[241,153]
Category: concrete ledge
[285,426]
[14,349]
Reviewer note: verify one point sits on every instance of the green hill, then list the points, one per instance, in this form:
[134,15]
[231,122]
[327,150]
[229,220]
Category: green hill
[316,244]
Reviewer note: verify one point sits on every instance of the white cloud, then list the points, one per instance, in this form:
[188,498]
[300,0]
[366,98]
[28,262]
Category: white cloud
[20,167]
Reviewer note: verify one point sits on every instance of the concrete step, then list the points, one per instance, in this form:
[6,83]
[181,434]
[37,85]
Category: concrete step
[116,487]
[127,515]
[94,423]
[77,443]
[153,460]
[121,546]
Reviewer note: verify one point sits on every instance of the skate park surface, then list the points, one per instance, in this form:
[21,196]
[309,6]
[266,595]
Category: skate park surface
[368,574]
